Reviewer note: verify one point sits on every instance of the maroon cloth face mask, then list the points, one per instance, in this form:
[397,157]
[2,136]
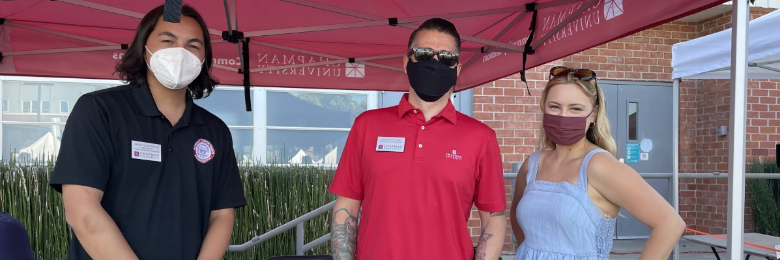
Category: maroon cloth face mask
[564,130]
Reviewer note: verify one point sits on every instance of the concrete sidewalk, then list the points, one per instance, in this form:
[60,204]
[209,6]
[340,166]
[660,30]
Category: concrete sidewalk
[629,249]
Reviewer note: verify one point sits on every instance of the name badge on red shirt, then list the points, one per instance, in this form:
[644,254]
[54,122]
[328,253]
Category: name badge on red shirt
[390,144]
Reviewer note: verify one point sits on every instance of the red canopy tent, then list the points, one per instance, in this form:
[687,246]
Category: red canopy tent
[350,44]
[324,44]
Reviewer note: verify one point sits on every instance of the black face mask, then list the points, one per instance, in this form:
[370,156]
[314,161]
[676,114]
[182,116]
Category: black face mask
[431,79]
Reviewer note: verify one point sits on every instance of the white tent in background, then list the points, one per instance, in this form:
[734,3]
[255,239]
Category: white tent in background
[709,57]
[298,158]
[42,148]
[332,157]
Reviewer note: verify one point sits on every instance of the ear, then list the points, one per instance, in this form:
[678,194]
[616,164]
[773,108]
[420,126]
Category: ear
[594,115]
[406,61]
[460,66]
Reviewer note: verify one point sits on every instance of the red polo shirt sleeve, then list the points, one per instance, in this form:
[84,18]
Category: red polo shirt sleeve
[348,180]
[490,194]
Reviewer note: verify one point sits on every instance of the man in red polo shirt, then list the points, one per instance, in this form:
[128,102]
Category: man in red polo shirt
[412,172]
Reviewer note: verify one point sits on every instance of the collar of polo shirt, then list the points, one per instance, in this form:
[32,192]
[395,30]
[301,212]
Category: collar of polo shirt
[448,112]
[145,103]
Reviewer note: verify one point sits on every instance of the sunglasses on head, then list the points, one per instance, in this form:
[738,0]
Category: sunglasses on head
[582,74]
[447,58]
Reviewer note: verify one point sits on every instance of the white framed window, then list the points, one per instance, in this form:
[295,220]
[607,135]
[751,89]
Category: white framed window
[45,106]
[289,126]
[64,107]
[27,106]
[31,129]
[286,125]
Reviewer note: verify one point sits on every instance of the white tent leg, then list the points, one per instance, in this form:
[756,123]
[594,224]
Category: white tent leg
[676,156]
[736,203]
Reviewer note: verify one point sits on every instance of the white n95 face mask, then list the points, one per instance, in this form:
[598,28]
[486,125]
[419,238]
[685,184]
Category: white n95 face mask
[175,67]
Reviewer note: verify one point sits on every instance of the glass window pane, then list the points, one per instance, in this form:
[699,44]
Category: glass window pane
[30,142]
[64,106]
[45,106]
[314,109]
[305,147]
[24,99]
[228,105]
[243,140]
[633,111]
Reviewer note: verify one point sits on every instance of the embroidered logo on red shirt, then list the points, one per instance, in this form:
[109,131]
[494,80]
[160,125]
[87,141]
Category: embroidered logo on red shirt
[454,155]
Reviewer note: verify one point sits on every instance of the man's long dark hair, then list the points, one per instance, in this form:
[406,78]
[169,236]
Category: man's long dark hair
[133,68]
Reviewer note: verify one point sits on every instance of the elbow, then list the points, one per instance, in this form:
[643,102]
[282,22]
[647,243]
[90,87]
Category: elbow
[80,222]
[680,224]
[72,216]
[82,219]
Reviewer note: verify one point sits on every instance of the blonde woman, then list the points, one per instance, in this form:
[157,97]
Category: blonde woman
[568,194]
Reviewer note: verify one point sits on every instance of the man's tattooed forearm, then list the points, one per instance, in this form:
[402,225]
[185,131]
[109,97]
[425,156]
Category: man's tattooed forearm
[343,239]
[481,253]
[496,214]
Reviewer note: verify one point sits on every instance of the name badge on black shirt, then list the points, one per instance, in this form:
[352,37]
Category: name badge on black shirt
[147,151]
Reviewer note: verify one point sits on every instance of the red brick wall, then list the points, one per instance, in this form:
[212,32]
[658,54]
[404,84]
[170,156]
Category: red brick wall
[645,56]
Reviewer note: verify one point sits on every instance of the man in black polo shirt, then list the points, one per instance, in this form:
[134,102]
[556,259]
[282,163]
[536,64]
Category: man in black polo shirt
[145,173]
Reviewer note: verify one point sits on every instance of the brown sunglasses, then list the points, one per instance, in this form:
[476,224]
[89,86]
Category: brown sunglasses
[582,74]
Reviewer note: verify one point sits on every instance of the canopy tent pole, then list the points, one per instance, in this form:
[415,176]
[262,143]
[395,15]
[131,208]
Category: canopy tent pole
[675,181]
[406,21]
[736,184]
[67,35]
[496,38]
[569,19]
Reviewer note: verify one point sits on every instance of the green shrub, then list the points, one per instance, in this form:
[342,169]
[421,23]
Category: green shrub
[766,198]
[275,195]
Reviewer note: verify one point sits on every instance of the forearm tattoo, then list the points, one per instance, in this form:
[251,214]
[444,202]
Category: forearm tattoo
[343,239]
[481,253]
[496,214]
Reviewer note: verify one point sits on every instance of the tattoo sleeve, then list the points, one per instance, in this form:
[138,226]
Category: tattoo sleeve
[343,239]
[481,253]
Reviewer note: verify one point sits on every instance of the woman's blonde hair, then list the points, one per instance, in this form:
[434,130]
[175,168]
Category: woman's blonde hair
[599,133]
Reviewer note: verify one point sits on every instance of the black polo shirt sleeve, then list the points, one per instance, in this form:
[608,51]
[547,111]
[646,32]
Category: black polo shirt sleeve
[230,188]
[86,149]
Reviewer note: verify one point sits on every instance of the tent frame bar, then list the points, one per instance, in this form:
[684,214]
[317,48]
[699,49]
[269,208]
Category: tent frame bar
[66,35]
[66,50]
[504,46]
[568,20]
[281,47]
[336,61]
